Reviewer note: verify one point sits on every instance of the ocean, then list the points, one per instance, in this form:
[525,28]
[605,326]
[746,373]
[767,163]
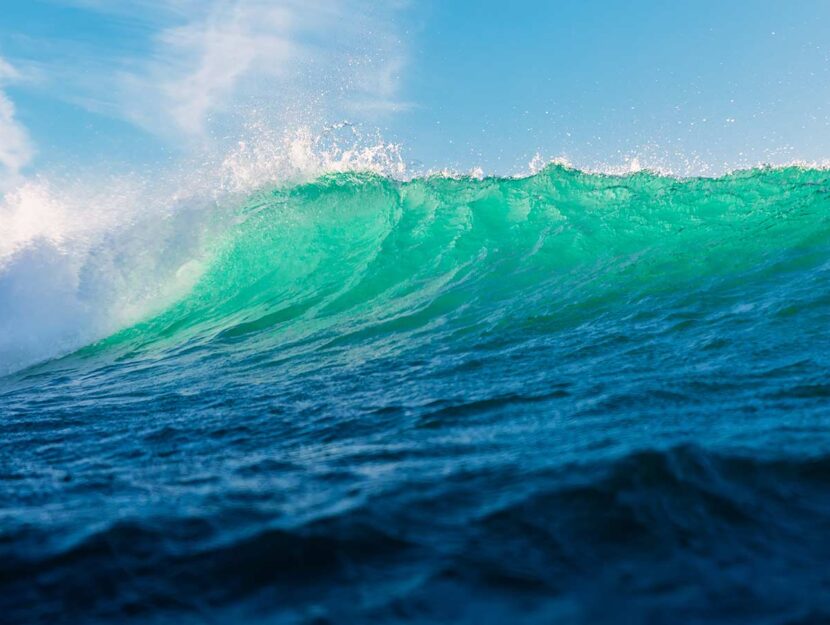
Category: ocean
[568,397]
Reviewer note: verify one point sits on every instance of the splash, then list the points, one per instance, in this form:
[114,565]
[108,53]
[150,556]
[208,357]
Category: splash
[83,258]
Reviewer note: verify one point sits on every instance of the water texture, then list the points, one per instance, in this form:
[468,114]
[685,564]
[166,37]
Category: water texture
[569,398]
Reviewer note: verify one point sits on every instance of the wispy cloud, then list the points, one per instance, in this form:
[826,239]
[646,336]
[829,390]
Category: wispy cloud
[208,60]
[306,54]
[16,150]
[196,66]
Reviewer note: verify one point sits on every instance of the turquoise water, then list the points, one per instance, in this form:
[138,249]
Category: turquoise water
[570,397]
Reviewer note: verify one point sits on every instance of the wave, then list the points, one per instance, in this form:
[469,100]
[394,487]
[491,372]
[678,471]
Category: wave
[357,257]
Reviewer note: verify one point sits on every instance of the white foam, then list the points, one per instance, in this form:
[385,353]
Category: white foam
[76,266]
[82,258]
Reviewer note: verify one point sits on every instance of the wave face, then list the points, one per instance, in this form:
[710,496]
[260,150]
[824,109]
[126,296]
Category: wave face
[569,397]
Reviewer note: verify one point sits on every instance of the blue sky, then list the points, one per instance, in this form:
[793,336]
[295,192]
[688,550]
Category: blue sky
[693,86]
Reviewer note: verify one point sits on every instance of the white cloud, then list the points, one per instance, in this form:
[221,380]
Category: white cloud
[304,56]
[196,66]
[16,149]
[7,72]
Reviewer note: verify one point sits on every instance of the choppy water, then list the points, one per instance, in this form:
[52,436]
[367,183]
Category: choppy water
[567,398]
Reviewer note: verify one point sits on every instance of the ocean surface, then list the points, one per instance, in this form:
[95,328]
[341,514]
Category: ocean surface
[563,398]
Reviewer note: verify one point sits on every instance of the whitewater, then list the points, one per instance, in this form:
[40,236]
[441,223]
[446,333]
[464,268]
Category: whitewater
[324,390]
